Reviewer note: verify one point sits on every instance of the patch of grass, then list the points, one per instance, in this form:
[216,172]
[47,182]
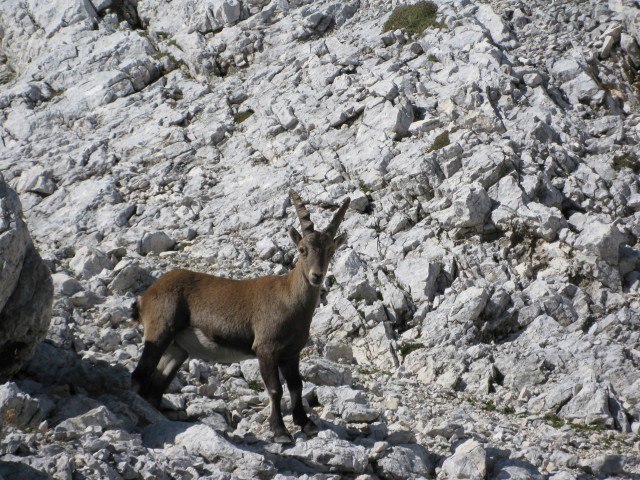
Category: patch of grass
[508,410]
[363,187]
[490,406]
[554,420]
[407,348]
[412,19]
[626,160]
[242,116]
[255,386]
[432,58]
[440,142]
[9,417]
[373,371]
[56,93]
[581,427]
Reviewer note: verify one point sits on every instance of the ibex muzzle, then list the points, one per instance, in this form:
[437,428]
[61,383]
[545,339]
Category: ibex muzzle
[187,313]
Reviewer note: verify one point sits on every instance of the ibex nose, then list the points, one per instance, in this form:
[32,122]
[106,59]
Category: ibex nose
[315,279]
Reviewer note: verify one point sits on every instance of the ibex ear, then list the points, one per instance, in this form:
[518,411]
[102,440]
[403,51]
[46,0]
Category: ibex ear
[295,236]
[340,240]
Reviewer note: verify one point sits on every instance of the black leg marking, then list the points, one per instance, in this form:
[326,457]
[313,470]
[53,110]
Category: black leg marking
[149,359]
[271,378]
[165,372]
[290,369]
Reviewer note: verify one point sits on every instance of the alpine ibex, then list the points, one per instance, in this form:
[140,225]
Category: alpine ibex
[222,320]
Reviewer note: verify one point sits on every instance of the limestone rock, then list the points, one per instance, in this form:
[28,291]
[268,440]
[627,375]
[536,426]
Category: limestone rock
[26,286]
[418,276]
[155,242]
[406,461]
[330,454]
[468,461]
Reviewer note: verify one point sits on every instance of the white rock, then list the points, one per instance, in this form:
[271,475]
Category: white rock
[469,304]
[155,242]
[326,454]
[418,276]
[37,180]
[65,285]
[89,262]
[468,461]
[321,371]
[203,441]
[601,239]
[406,461]
[471,205]
[359,201]
[266,248]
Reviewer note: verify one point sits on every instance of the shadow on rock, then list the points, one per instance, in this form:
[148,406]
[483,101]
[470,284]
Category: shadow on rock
[21,471]
[75,393]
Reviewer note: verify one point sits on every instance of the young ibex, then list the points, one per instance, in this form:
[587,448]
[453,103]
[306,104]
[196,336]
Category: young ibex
[188,313]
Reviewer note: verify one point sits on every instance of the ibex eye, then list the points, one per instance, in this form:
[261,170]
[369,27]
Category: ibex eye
[303,251]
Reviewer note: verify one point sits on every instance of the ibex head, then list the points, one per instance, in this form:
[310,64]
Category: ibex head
[316,248]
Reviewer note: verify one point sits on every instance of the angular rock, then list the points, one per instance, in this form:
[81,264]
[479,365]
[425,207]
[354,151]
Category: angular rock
[329,454]
[468,461]
[602,240]
[204,441]
[18,409]
[155,242]
[406,461]
[101,418]
[324,372]
[26,288]
[89,262]
[418,275]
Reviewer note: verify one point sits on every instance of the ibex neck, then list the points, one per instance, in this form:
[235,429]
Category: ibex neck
[302,291]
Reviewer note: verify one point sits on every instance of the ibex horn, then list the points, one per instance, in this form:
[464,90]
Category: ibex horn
[303,213]
[337,218]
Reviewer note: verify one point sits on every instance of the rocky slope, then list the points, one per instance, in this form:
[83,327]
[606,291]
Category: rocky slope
[483,319]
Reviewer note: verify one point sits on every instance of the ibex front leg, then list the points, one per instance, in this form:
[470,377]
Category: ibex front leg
[271,379]
[290,369]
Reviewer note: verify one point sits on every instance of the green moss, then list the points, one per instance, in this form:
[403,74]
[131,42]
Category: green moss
[581,427]
[490,406]
[242,116]
[626,160]
[508,410]
[440,142]
[256,386]
[432,58]
[554,420]
[407,348]
[363,187]
[412,19]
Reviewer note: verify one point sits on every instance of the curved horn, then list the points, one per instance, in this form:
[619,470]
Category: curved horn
[337,218]
[303,213]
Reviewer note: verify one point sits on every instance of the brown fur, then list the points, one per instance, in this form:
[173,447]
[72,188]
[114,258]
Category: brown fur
[268,317]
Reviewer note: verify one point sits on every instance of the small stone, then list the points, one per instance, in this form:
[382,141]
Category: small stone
[155,242]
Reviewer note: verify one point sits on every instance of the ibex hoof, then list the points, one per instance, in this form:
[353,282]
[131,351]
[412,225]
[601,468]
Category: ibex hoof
[283,438]
[311,428]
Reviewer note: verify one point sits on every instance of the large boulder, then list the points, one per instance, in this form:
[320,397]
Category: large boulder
[26,288]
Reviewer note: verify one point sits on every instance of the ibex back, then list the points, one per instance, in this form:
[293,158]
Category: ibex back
[187,313]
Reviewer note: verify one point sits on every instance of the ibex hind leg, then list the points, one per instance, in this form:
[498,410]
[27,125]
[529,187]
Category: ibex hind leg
[166,370]
[151,355]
